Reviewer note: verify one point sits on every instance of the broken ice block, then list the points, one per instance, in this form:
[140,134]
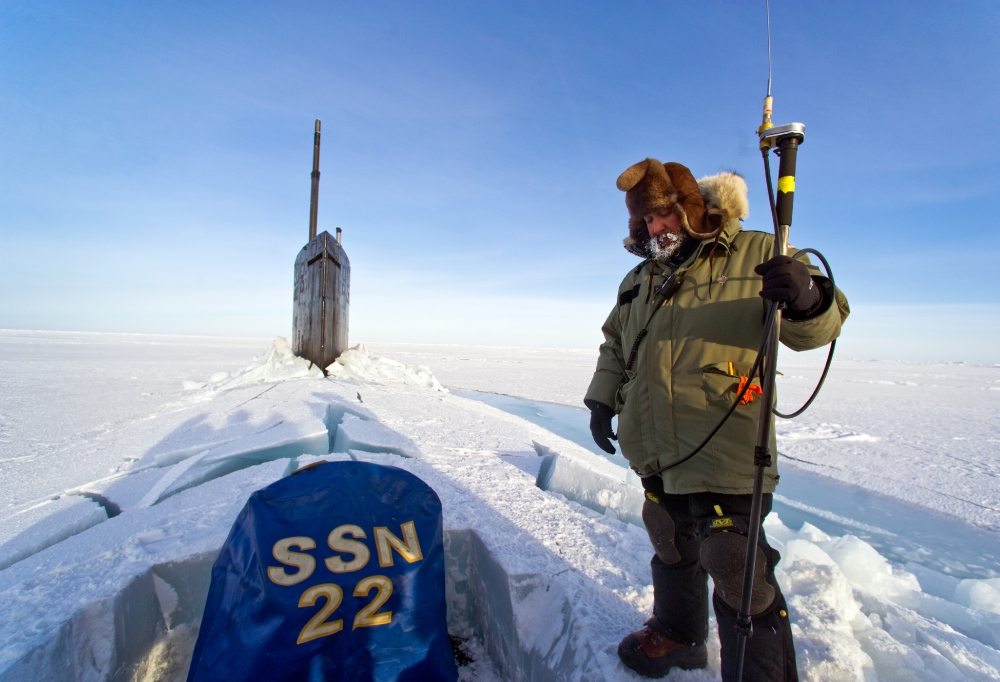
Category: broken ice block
[592,489]
[371,436]
[31,531]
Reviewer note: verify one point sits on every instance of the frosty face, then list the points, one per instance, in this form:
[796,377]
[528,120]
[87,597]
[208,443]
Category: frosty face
[666,236]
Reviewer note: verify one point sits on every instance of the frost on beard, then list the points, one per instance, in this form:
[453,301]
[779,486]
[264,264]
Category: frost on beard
[663,248]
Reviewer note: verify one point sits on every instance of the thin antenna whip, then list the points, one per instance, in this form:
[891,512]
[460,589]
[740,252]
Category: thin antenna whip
[767,9]
[765,123]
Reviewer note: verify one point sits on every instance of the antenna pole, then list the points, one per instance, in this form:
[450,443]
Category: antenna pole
[314,199]
[785,140]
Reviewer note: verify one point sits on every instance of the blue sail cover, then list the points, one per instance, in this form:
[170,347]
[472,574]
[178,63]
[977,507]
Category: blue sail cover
[335,573]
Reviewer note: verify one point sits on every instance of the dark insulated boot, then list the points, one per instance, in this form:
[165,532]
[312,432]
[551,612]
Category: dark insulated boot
[652,654]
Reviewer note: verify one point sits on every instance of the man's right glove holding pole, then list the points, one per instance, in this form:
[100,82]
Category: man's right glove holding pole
[786,279]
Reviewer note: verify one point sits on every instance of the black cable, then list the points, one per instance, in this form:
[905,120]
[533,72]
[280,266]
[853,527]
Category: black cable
[829,356]
[768,329]
[642,334]
[666,290]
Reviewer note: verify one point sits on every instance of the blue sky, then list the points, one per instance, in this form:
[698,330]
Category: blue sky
[155,159]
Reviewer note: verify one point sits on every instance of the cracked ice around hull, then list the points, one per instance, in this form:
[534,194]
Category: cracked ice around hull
[83,581]
[549,586]
[614,493]
[240,431]
[180,528]
[363,435]
[45,525]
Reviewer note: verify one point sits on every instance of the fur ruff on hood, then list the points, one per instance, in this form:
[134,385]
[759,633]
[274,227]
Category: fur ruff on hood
[670,188]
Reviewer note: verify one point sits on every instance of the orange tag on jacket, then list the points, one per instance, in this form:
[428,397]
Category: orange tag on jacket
[752,392]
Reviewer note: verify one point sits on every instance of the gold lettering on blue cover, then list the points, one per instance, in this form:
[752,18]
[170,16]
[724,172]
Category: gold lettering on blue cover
[339,543]
[408,548]
[304,562]
[368,616]
[317,626]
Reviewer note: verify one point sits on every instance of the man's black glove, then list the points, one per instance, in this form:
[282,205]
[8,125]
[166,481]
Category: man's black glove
[600,425]
[788,280]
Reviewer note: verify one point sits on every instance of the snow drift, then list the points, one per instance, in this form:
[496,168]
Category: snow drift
[359,363]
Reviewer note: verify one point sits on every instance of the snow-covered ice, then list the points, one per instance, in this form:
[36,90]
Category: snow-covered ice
[547,569]
[923,433]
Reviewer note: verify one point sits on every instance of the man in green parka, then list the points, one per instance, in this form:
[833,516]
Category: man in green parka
[699,295]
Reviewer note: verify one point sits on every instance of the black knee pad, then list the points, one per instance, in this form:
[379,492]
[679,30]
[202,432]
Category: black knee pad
[724,556]
[661,529]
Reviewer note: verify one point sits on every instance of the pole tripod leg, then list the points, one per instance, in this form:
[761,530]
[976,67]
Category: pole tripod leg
[762,460]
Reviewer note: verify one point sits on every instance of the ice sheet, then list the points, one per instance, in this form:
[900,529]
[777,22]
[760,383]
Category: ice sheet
[923,433]
[550,585]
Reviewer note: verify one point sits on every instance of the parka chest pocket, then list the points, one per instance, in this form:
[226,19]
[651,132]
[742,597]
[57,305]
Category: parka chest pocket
[733,444]
[723,380]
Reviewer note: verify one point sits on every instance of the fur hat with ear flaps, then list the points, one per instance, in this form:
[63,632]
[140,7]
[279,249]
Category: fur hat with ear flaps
[702,206]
